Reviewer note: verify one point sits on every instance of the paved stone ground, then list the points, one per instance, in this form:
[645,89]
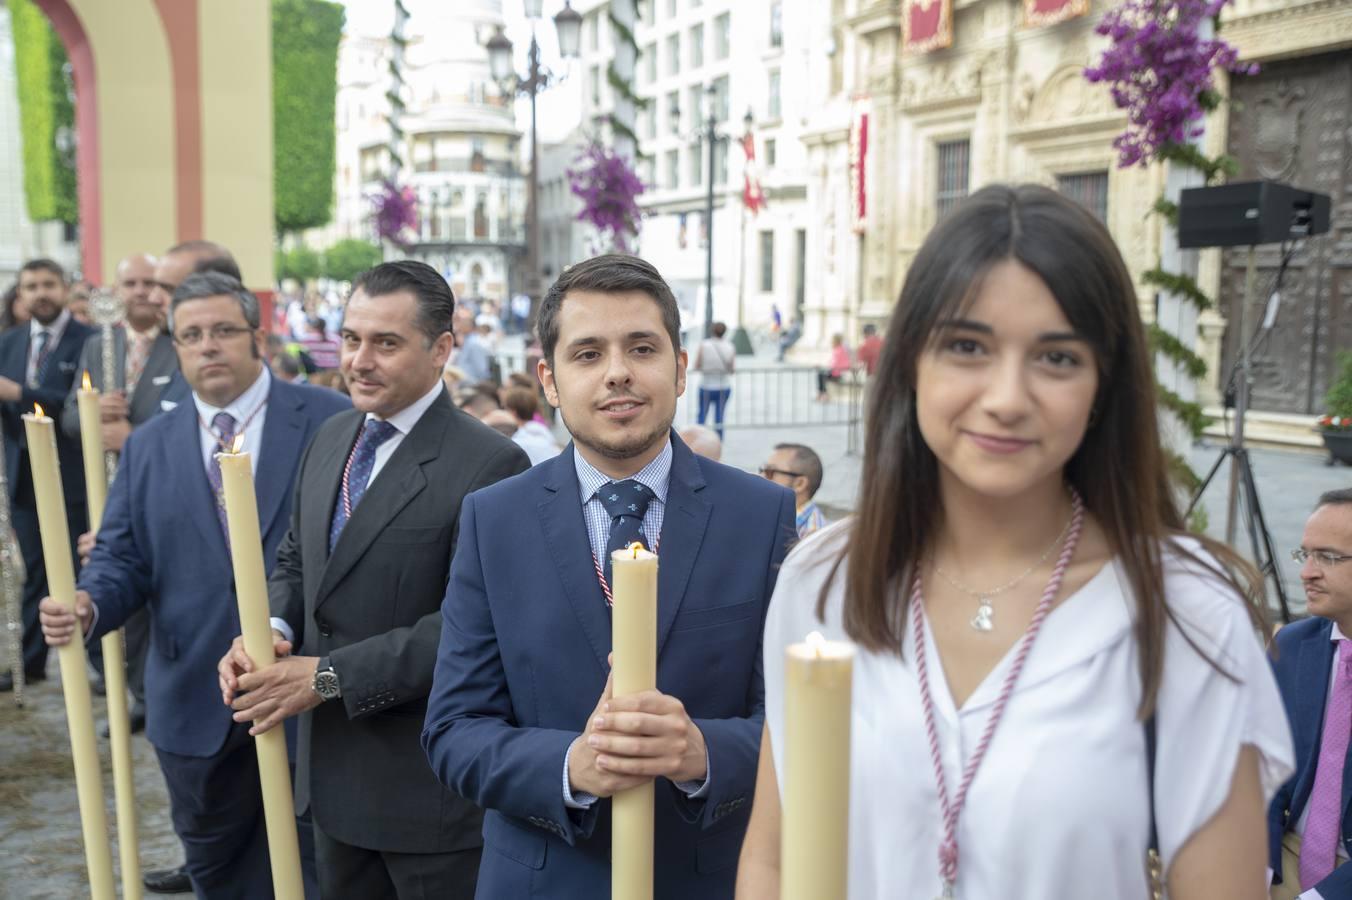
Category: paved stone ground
[43,852]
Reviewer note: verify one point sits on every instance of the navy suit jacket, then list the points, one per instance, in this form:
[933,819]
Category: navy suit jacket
[1302,663]
[63,361]
[522,662]
[161,544]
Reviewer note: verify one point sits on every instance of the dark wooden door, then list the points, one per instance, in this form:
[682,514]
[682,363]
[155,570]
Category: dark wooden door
[1292,123]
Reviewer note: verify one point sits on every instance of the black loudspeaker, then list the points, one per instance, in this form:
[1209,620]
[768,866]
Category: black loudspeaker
[1249,213]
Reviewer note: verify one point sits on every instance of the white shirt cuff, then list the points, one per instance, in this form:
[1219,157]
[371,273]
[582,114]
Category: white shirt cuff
[93,622]
[280,625]
[580,800]
[1311,894]
[697,790]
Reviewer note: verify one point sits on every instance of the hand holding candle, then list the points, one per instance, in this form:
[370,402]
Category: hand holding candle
[251,589]
[816,807]
[40,432]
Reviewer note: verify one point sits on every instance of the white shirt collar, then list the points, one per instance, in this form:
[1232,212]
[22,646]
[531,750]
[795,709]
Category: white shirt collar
[406,418]
[55,329]
[1337,633]
[243,406]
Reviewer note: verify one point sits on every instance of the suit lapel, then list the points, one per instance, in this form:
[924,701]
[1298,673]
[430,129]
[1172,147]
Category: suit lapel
[565,531]
[283,433]
[395,486]
[328,463]
[683,526]
[191,477]
[162,361]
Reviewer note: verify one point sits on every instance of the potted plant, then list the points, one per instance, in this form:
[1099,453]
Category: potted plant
[1336,424]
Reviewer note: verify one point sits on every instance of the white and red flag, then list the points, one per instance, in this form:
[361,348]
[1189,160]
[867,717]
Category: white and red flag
[752,195]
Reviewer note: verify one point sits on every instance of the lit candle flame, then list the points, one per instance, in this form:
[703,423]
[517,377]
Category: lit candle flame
[37,410]
[85,383]
[635,548]
[238,443]
[815,643]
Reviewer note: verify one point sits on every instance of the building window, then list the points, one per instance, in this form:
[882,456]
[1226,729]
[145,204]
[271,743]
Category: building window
[777,23]
[646,11]
[650,63]
[697,46]
[673,179]
[1089,189]
[674,54]
[954,163]
[476,155]
[693,95]
[594,79]
[721,162]
[647,123]
[772,103]
[671,9]
[721,98]
[767,261]
[722,36]
[481,217]
[771,146]
[674,103]
[697,164]
[593,31]
[648,172]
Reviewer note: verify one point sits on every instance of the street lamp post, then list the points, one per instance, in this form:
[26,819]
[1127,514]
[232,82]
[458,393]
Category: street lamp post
[568,24]
[708,133]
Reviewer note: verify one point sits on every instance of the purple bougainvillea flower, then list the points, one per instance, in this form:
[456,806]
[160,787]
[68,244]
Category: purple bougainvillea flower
[609,189]
[1158,68]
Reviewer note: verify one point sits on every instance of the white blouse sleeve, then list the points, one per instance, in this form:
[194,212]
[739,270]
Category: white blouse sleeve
[1207,713]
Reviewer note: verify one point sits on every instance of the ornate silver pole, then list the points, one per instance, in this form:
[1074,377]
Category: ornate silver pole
[12,577]
[107,309]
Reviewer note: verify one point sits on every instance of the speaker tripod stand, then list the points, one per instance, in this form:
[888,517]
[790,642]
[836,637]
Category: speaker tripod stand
[1243,492]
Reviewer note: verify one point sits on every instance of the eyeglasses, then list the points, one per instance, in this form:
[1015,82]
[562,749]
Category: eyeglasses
[771,472]
[191,337]
[1322,558]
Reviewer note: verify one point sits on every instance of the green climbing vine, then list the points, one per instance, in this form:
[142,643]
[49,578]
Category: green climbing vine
[618,84]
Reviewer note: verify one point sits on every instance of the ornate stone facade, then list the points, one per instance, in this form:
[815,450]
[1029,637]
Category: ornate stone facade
[1017,95]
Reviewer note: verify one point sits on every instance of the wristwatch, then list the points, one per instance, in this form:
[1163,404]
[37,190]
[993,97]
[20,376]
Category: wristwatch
[326,681]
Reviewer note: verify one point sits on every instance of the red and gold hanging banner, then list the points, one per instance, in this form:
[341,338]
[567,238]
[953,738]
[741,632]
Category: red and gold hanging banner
[927,25]
[1038,13]
[859,116]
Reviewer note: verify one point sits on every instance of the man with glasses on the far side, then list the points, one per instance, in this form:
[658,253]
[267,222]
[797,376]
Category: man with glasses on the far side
[1309,826]
[798,468]
[163,544]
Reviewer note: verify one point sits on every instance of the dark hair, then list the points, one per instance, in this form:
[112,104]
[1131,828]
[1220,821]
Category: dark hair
[611,273]
[718,329]
[870,329]
[45,265]
[1340,497]
[436,302]
[478,394]
[201,285]
[521,402]
[209,256]
[1119,468]
[806,461]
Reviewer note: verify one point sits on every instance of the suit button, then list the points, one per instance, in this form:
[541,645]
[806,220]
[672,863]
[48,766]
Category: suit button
[325,629]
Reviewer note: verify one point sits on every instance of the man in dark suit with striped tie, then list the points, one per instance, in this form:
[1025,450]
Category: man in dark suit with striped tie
[37,366]
[356,595]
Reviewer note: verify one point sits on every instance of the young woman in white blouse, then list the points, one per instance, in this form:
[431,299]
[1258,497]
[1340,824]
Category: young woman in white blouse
[1024,598]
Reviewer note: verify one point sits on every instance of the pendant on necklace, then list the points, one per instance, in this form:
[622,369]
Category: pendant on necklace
[946,893]
[983,620]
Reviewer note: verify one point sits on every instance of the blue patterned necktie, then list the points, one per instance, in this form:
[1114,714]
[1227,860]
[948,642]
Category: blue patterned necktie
[42,340]
[358,473]
[225,436]
[626,502]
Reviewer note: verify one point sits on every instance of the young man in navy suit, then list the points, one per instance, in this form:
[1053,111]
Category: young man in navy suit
[1309,826]
[163,544]
[37,365]
[521,719]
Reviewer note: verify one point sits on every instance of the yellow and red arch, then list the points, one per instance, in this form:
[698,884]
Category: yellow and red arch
[174,119]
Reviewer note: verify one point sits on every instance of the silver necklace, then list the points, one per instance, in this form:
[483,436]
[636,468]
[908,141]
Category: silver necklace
[984,620]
